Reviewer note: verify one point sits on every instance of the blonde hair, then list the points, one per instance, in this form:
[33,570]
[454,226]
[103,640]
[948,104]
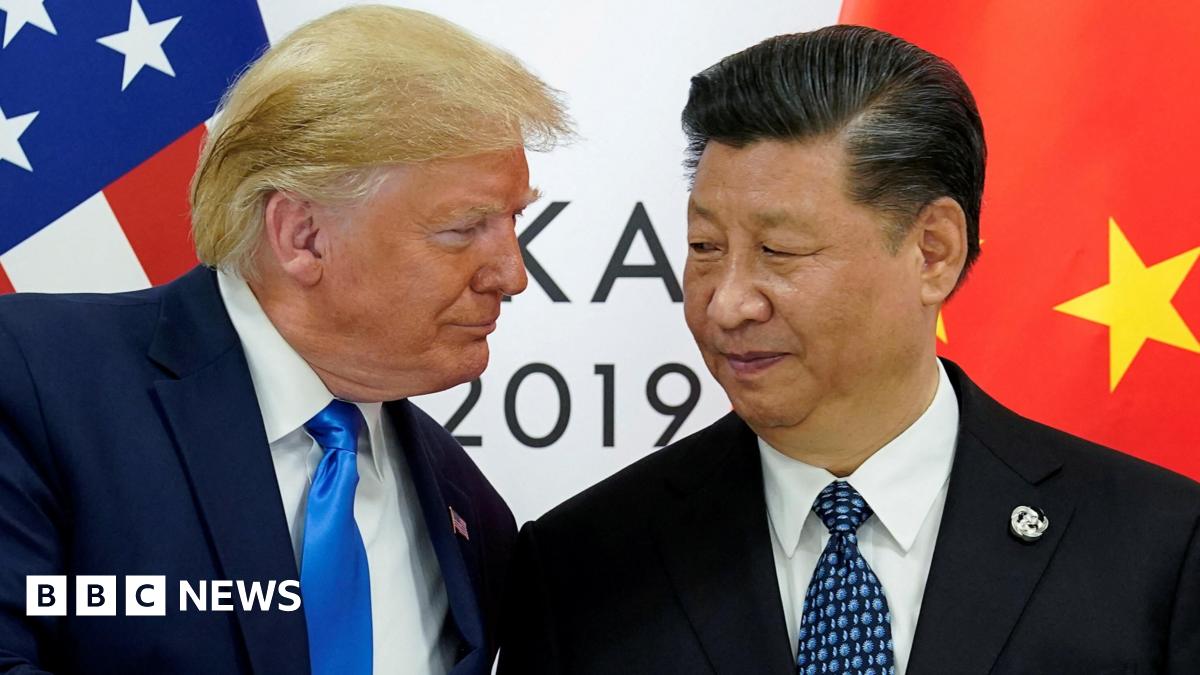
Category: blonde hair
[365,87]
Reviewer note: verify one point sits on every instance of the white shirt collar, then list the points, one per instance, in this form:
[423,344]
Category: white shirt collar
[289,392]
[900,481]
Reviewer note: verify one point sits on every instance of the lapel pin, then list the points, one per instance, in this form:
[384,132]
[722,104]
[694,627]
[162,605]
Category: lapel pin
[1028,524]
[458,525]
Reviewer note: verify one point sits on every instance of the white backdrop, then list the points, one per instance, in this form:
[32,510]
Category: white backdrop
[624,68]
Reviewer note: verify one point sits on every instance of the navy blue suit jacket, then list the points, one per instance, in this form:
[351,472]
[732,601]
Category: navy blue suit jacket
[131,443]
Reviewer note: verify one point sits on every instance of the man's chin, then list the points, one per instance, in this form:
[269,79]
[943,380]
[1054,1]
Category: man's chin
[766,414]
[468,366]
[476,360]
[435,374]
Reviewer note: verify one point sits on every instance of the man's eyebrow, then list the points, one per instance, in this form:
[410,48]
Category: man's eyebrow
[532,196]
[774,218]
[701,211]
[485,210]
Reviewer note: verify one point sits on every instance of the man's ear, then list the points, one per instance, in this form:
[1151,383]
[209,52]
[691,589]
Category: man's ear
[941,230]
[291,230]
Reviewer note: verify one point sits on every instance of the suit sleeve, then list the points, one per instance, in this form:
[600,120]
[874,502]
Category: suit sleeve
[1183,644]
[29,514]
[528,643]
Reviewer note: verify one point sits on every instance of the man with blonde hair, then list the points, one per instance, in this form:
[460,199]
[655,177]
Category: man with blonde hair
[246,426]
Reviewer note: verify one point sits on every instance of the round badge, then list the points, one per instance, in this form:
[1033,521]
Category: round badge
[1028,523]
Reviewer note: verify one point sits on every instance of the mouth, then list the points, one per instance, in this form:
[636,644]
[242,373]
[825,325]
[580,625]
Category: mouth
[481,328]
[746,364]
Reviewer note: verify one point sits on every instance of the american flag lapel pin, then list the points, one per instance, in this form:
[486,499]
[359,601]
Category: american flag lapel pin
[458,525]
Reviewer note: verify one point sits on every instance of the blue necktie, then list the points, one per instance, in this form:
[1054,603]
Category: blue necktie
[846,627]
[335,581]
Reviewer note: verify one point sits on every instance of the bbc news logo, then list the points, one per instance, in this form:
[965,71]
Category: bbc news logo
[146,595]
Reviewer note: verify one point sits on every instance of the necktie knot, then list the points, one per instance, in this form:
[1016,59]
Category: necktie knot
[336,426]
[841,508]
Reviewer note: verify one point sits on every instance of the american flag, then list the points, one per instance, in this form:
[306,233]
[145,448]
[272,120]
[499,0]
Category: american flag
[458,525]
[103,106]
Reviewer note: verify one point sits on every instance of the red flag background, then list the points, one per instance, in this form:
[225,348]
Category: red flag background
[1085,305]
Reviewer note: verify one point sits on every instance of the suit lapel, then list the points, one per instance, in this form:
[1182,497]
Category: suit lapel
[457,556]
[982,576]
[716,548]
[212,411]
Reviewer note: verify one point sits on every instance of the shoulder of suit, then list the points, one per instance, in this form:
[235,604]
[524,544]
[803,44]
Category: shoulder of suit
[41,316]
[57,338]
[643,483]
[1112,470]
[1102,474]
[1106,478]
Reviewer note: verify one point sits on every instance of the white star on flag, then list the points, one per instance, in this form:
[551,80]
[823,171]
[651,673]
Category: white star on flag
[20,12]
[11,129]
[141,44]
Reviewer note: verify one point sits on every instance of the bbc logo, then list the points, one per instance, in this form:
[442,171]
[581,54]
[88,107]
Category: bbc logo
[146,595]
[96,595]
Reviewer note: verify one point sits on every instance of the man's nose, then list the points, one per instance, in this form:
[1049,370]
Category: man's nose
[737,299]
[505,269]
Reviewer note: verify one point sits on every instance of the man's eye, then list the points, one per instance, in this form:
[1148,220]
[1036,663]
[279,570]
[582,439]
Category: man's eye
[776,253]
[701,247]
[458,236]
[467,230]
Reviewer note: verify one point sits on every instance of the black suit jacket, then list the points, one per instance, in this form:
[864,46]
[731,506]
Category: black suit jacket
[667,566]
[131,442]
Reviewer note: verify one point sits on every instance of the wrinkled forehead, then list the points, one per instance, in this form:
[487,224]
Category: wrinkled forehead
[770,184]
[444,190]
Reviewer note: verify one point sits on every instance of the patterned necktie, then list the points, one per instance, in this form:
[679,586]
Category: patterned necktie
[335,581]
[846,627]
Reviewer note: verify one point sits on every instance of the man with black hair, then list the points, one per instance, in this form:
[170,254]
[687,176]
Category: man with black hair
[865,508]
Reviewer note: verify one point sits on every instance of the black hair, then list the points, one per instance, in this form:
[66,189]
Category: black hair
[911,130]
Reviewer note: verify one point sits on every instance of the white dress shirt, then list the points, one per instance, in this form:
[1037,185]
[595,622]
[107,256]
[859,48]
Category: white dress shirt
[409,607]
[904,482]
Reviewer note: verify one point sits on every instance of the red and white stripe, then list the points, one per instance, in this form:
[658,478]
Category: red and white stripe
[134,233]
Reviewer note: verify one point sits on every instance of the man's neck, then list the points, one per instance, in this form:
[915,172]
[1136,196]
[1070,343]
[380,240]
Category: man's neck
[841,437]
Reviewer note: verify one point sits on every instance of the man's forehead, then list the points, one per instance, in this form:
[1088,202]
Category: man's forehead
[770,183]
[772,168]
[767,218]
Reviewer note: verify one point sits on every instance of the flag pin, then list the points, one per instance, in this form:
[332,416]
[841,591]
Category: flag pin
[458,525]
[1028,524]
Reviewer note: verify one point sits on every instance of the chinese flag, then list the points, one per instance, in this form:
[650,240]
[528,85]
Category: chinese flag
[1084,309]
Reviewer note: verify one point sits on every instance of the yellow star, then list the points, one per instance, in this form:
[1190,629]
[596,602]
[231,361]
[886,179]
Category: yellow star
[1136,303]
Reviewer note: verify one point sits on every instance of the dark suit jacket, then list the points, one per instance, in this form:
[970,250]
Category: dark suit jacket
[131,443]
[667,566]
